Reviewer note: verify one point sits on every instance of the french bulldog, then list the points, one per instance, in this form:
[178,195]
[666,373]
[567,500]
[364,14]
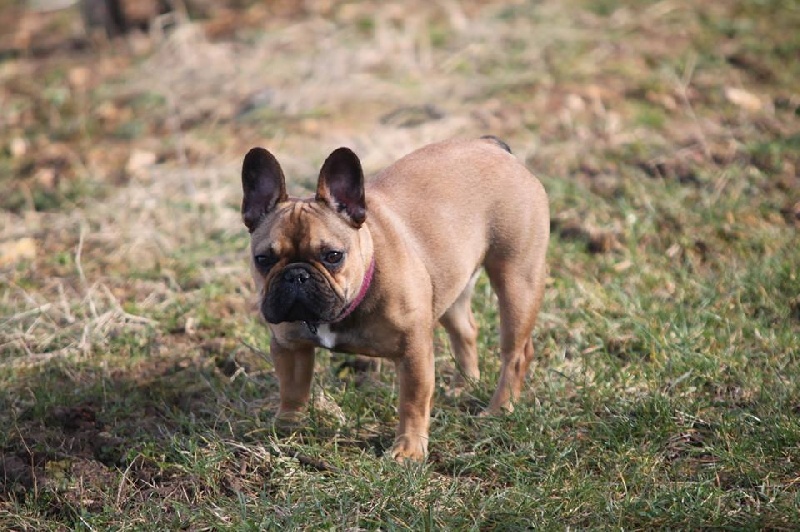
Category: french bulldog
[371,268]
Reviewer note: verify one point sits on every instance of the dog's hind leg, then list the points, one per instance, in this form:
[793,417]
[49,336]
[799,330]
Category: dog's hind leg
[519,295]
[462,330]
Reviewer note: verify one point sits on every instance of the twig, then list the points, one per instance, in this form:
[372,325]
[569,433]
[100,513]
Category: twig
[284,452]
[683,85]
[255,350]
[30,312]
[122,482]
[82,276]
[305,460]
[64,304]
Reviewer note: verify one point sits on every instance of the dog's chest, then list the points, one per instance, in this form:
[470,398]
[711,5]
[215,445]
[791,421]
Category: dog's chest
[373,341]
[319,334]
[325,337]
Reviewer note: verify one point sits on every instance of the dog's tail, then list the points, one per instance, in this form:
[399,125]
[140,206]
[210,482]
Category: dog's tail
[498,141]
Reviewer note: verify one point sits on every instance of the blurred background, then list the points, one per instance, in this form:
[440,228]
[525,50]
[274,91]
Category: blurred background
[96,93]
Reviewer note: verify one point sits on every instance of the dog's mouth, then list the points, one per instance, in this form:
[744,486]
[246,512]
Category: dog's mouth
[300,293]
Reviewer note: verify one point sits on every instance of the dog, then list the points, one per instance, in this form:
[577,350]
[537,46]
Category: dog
[371,268]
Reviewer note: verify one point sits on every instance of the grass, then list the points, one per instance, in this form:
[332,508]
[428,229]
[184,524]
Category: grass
[136,393]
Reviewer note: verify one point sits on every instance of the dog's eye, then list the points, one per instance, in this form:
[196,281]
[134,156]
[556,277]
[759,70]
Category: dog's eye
[265,262]
[332,258]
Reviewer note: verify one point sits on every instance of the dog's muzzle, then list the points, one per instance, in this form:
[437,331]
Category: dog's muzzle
[298,293]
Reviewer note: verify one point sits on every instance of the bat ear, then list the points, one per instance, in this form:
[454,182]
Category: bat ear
[263,185]
[341,185]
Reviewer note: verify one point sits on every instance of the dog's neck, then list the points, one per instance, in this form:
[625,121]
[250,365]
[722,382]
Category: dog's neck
[362,292]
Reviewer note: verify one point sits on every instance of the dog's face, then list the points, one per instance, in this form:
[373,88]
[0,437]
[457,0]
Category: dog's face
[308,256]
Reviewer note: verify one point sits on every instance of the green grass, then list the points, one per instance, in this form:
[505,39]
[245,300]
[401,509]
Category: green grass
[136,393]
[668,410]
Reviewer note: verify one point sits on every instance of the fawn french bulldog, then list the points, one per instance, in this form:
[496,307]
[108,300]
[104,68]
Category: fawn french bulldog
[371,268]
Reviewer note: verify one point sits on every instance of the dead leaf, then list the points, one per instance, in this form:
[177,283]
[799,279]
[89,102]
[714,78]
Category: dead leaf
[744,99]
[18,147]
[622,266]
[79,77]
[139,161]
[674,250]
[18,250]
[109,112]
[46,177]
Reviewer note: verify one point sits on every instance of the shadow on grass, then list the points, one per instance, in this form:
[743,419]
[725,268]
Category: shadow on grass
[176,427]
[129,436]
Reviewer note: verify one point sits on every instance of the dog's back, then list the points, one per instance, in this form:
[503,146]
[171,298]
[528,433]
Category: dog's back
[471,192]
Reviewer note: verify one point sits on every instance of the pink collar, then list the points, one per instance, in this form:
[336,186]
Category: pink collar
[362,293]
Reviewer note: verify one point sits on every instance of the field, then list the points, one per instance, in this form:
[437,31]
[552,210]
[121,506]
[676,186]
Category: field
[136,390]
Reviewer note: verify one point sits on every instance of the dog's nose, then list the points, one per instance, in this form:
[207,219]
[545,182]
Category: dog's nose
[297,275]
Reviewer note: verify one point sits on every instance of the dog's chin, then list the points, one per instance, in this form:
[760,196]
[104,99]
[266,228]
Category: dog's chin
[299,312]
[296,312]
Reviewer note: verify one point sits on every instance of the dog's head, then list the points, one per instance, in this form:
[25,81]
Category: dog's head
[309,256]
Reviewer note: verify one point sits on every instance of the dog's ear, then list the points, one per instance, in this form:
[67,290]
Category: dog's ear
[341,185]
[263,184]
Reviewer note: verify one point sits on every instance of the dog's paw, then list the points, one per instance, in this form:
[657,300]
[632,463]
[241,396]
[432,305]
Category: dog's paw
[287,421]
[409,448]
[497,411]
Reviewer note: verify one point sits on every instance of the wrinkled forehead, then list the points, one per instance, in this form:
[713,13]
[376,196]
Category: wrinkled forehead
[301,225]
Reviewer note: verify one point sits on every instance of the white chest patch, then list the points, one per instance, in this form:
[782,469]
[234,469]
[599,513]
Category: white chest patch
[325,336]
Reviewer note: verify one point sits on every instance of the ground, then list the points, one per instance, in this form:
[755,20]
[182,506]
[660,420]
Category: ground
[137,390]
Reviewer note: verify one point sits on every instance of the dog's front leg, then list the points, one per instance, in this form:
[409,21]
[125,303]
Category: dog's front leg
[294,367]
[415,372]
